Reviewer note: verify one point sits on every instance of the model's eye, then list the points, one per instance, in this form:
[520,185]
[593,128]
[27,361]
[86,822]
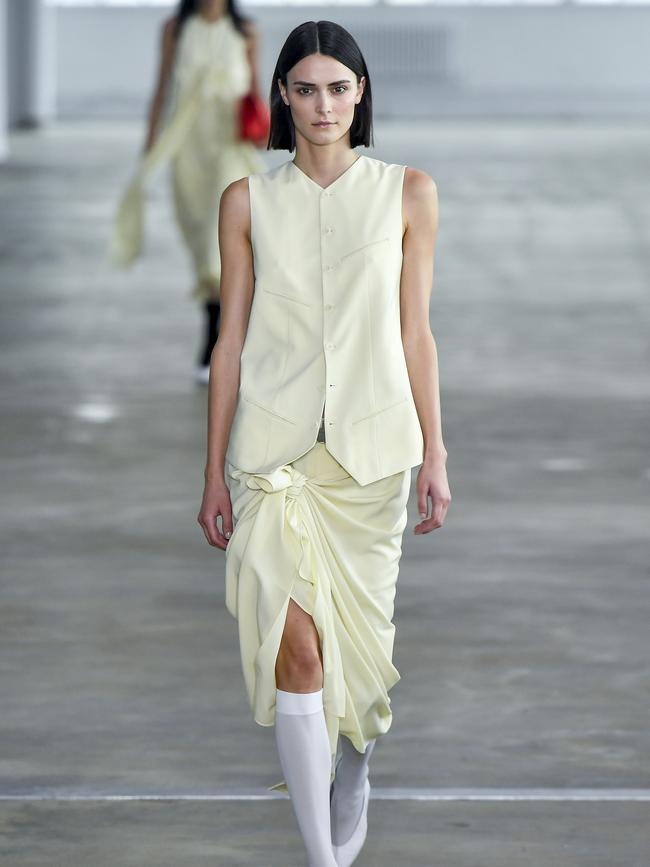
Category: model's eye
[339,88]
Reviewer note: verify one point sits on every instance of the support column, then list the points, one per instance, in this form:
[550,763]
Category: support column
[4,83]
[32,62]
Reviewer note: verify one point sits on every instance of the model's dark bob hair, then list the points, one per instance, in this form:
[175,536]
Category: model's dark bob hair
[186,8]
[318,37]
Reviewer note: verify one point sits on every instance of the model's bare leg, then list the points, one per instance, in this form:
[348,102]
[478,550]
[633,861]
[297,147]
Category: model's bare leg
[301,733]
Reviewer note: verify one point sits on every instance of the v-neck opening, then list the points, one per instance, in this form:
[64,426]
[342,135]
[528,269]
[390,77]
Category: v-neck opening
[335,181]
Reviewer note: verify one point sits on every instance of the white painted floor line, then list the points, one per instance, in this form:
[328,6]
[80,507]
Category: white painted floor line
[377,794]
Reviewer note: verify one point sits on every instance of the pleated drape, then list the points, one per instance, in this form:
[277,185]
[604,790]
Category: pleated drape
[310,532]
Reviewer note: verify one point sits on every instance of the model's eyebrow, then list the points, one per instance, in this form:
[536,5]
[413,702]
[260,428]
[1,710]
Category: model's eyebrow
[331,84]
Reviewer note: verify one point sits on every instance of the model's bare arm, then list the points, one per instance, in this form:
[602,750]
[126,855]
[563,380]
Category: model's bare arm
[237,287]
[420,209]
[166,62]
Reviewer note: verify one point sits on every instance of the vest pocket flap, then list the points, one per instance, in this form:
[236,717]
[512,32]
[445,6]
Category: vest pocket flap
[283,293]
[270,412]
[380,411]
[368,246]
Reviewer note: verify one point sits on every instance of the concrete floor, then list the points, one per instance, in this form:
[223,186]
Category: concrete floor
[522,633]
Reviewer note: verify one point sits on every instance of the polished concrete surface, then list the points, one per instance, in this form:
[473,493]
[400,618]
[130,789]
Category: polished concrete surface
[521,624]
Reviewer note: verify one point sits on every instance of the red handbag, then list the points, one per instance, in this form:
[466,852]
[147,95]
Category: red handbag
[254,119]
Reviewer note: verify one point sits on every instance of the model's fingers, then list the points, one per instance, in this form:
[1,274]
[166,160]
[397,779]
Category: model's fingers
[423,505]
[438,513]
[211,536]
[209,526]
[227,521]
[205,532]
[439,509]
[201,522]
[217,534]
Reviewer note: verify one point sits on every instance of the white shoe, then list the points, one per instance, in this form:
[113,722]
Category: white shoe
[346,853]
[202,374]
[336,769]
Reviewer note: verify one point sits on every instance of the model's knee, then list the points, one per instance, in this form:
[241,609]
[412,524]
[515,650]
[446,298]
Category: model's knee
[299,665]
[298,669]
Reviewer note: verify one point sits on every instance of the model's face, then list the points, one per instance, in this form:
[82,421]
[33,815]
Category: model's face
[321,93]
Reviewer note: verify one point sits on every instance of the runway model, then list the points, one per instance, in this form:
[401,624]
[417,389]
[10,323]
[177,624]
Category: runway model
[323,394]
[208,61]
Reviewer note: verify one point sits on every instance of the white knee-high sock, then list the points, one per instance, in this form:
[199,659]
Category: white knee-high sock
[303,748]
[347,795]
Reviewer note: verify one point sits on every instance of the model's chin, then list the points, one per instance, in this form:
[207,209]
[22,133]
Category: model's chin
[323,134]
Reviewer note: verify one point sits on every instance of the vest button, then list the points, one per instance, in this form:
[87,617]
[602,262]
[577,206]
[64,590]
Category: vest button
[328,306]
[329,346]
[330,267]
[329,230]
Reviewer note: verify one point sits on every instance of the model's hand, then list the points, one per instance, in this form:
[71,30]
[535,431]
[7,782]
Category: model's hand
[432,484]
[216,501]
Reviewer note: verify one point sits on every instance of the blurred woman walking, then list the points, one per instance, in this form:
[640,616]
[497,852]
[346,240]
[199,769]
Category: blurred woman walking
[207,64]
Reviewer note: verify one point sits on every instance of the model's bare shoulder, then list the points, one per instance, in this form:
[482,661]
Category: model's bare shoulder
[420,197]
[235,203]
[236,193]
[250,28]
[169,28]
[418,183]
[168,39]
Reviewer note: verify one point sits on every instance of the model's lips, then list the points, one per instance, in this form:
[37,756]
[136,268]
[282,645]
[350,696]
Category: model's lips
[324,123]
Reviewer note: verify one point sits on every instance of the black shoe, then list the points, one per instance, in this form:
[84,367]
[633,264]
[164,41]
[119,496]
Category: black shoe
[212,319]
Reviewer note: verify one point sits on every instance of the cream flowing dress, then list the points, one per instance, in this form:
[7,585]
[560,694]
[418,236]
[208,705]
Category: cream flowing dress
[211,73]
[308,531]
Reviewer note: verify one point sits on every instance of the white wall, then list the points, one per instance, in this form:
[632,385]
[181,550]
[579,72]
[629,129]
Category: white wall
[559,61]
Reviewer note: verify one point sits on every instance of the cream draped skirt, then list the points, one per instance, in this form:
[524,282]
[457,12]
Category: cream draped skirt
[201,144]
[308,531]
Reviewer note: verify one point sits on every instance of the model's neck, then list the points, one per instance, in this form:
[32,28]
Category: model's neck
[212,9]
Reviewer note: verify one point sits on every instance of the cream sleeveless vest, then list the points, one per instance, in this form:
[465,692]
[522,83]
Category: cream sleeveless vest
[324,333]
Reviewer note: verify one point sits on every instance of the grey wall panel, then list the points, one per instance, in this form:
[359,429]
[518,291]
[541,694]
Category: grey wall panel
[435,61]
